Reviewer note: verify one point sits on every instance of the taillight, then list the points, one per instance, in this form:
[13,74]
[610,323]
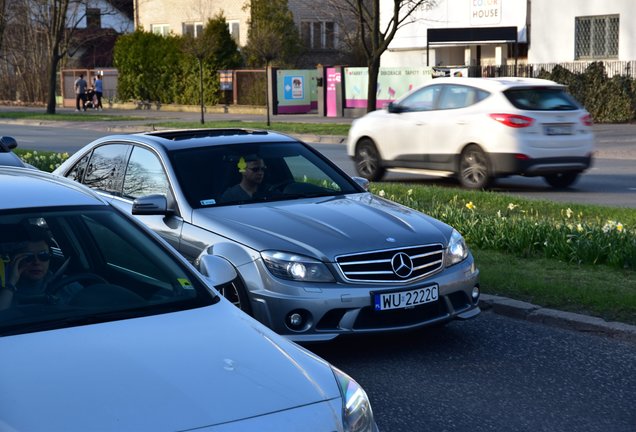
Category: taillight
[513,120]
[586,120]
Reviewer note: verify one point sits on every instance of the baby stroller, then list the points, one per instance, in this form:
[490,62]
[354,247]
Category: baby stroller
[91,99]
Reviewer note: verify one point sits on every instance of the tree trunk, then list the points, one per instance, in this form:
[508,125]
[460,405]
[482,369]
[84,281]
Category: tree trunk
[50,103]
[372,90]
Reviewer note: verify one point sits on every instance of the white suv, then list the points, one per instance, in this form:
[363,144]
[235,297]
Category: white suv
[477,129]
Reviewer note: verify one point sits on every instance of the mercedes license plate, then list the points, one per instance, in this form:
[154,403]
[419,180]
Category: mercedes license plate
[405,299]
[554,129]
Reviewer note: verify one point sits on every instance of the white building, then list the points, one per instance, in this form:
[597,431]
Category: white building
[500,32]
[582,30]
[459,32]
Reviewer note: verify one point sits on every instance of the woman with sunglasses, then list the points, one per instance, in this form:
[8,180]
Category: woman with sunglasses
[28,275]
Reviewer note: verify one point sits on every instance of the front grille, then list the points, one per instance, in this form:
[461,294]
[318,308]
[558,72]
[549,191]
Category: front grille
[392,265]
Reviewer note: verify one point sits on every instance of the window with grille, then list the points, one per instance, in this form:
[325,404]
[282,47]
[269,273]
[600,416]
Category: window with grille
[318,34]
[596,37]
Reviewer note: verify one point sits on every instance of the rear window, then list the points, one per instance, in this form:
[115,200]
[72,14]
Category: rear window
[542,99]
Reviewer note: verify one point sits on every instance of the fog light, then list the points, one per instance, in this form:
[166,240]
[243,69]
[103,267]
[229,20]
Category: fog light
[475,293]
[297,320]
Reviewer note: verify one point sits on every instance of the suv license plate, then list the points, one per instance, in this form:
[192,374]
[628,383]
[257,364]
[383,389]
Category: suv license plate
[558,129]
[405,299]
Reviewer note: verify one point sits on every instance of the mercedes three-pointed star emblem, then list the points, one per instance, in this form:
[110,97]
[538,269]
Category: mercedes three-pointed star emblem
[402,265]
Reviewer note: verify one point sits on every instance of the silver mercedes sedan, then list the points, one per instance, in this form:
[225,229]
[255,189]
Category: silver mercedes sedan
[317,254]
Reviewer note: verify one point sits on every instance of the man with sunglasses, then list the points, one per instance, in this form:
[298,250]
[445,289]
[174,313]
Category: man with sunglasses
[252,169]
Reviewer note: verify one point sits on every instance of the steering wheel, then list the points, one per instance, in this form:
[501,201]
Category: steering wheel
[57,285]
[280,186]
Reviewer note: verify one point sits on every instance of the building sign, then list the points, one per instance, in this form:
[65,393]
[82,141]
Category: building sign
[459,14]
[225,79]
[485,12]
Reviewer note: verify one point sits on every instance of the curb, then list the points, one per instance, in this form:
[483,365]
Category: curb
[566,320]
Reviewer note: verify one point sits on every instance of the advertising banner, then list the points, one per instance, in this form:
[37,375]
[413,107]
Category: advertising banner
[334,78]
[393,83]
[296,91]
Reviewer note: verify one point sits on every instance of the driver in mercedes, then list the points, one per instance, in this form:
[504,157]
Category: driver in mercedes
[27,274]
[252,169]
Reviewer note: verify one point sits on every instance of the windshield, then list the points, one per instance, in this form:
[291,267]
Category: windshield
[60,268]
[242,173]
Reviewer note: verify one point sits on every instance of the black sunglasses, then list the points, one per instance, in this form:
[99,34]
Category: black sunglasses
[257,169]
[43,256]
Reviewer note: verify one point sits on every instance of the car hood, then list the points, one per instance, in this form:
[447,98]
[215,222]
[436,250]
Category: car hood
[324,227]
[176,371]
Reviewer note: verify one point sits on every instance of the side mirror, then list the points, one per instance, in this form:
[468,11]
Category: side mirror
[7,144]
[394,108]
[362,182]
[217,270]
[156,204]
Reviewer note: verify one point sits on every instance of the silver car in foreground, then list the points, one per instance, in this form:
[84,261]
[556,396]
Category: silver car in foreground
[107,328]
[318,255]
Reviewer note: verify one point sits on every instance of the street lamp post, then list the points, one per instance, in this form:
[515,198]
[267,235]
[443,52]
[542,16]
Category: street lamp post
[201,87]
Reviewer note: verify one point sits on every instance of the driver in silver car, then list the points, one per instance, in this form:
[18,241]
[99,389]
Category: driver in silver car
[252,169]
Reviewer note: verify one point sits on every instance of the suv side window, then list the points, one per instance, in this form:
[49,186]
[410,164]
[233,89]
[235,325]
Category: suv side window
[144,174]
[459,96]
[422,100]
[455,97]
[105,168]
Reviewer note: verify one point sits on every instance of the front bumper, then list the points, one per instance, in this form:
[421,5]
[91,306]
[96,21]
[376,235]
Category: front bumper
[330,310]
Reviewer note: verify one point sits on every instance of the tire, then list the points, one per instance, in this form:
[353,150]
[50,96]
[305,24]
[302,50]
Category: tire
[474,168]
[561,180]
[368,161]
[236,294]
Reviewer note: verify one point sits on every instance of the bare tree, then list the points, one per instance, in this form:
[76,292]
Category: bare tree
[39,35]
[375,33]
[57,21]
[3,20]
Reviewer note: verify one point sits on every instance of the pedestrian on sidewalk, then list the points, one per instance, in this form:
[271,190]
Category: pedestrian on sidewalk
[99,88]
[80,93]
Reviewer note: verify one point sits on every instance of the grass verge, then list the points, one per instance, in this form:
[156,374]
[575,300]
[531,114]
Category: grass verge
[597,290]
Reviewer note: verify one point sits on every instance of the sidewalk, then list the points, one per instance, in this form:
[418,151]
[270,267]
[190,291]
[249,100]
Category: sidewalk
[149,118]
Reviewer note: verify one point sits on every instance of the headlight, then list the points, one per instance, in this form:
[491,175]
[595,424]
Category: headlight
[357,415]
[457,251]
[296,267]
